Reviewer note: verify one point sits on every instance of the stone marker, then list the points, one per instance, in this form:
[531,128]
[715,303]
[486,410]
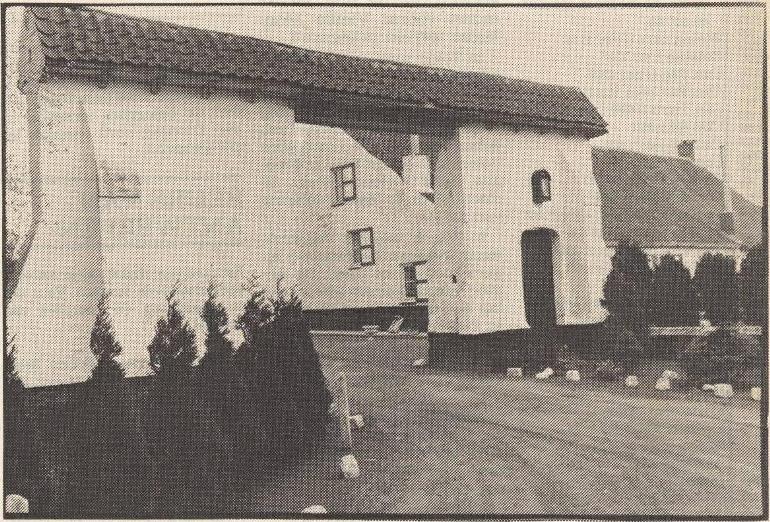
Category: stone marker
[16,504]
[515,373]
[314,509]
[548,371]
[756,393]
[663,384]
[349,467]
[541,376]
[573,375]
[708,387]
[343,408]
[723,390]
[670,375]
[419,363]
[632,381]
[357,421]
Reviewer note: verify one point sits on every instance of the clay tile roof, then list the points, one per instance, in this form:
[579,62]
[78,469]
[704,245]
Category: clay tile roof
[82,34]
[667,202]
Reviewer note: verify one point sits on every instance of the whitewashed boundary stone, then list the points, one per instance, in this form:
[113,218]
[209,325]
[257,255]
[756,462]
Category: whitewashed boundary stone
[514,373]
[16,504]
[670,375]
[357,421]
[419,363]
[663,384]
[708,387]
[343,408]
[548,371]
[723,390]
[315,509]
[349,467]
[632,381]
[756,393]
[573,375]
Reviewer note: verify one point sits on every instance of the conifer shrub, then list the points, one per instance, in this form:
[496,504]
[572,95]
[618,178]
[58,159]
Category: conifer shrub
[172,350]
[105,346]
[753,285]
[283,373]
[627,287]
[672,300]
[716,283]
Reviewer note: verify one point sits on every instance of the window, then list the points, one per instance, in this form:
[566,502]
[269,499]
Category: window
[415,278]
[344,183]
[363,247]
[541,186]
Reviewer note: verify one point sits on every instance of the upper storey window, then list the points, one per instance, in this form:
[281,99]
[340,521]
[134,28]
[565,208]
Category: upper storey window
[344,183]
[541,186]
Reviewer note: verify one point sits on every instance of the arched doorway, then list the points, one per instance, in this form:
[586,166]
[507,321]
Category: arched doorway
[539,250]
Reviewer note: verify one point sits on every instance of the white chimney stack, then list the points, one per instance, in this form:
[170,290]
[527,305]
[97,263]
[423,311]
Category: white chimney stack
[416,168]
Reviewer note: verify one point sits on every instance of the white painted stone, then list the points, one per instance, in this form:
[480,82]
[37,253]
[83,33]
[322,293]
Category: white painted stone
[708,387]
[756,393]
[541,376]
[670,375]
[16,504]
[573,375]
[515,373]
[663,384]
[357,421]
[315,509]
[723,390]
[349,467]
[419,363]
[548,371]
[632,381]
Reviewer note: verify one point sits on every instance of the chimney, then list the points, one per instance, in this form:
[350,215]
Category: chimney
[416,168]
[686,149]
[726,219]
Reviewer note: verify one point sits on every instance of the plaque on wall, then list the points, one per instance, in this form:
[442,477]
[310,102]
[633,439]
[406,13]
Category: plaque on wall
[117,183]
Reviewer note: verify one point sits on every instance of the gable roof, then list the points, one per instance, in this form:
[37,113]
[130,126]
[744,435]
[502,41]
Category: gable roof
[668,202]
[74,36]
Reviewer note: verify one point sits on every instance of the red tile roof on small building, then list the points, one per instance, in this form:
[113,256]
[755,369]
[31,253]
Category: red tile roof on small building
[79,35]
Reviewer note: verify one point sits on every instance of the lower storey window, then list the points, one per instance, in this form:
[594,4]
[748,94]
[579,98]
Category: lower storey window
[415,280]
[363,247]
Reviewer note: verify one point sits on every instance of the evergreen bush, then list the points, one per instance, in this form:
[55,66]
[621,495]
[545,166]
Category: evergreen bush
[105,346]
[753,285]
[716,283]
[172,350]
[672,300]
[627,287]
[723,356]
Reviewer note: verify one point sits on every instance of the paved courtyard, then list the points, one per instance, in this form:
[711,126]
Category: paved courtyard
[448,442]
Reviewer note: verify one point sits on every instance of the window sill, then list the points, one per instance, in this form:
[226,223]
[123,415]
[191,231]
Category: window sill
[419,302]
[358,267]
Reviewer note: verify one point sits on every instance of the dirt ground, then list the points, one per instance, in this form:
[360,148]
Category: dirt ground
[450,442]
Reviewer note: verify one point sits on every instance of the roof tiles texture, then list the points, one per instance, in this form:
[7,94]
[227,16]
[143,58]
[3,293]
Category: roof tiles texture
[79,34]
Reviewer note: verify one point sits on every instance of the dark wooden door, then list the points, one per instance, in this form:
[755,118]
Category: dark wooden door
[537,274]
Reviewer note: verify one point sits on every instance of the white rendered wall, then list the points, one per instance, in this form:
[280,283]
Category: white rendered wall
[54,305]
[403,223]
[219,199]
[495,166]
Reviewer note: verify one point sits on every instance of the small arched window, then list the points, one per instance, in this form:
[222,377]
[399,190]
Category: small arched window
[541,186]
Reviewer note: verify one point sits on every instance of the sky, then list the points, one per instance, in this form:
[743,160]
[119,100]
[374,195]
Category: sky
[658,75]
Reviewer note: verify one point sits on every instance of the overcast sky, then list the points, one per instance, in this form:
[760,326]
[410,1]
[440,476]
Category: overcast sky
[657,75]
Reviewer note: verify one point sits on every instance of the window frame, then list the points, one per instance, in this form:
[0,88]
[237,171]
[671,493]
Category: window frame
[538,196]
[355,237]
[414,283]
[338,179]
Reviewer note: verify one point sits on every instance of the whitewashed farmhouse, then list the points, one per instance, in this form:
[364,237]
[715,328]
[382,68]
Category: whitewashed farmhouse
[159,153]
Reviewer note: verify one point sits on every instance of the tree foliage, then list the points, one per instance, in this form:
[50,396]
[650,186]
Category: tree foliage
[105,346]
[13,383]
[218,347]
[753,285]
[627,287]
[172,350]
[716,283]
[672,300]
